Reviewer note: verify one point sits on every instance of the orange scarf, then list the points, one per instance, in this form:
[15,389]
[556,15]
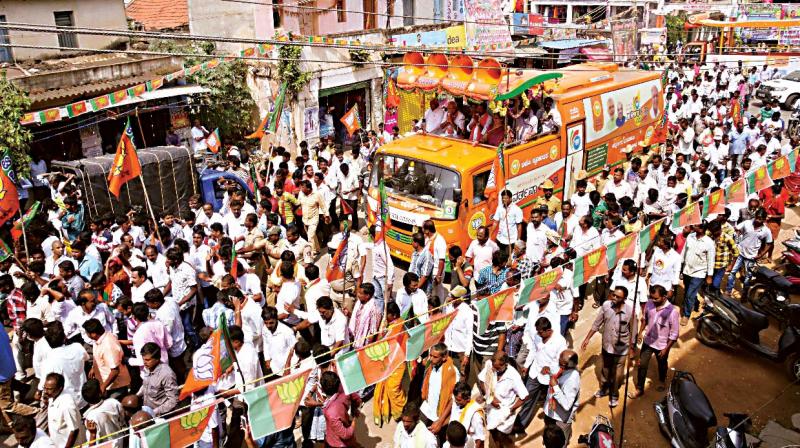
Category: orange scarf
[448,383]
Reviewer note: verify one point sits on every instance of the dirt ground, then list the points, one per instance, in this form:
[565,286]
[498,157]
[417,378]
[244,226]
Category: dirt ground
[733,380]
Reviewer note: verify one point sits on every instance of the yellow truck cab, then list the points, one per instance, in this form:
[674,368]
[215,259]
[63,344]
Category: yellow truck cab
[603,110]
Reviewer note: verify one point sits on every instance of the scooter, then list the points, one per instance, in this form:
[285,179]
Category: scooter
[726,322]
[769,292]
[685,417]
[600,436]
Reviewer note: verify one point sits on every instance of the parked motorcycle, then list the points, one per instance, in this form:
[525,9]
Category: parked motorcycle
[769,292]
[685,417]
[726,322]
[600,436]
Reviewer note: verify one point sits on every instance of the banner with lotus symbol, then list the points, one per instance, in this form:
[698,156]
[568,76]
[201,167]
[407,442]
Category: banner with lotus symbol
[424,336]
[272,407]
[589,266]
[370,364]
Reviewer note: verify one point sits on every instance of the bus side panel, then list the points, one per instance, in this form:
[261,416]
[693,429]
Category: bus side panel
[531,166]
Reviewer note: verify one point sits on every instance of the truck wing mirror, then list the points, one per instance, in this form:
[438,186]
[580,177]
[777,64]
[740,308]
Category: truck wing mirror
[457,195]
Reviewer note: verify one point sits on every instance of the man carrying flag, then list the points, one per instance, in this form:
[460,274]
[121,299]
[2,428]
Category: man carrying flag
[126,163]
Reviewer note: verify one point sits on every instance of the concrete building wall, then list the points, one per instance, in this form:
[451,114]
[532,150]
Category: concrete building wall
[86,13]
[230,19]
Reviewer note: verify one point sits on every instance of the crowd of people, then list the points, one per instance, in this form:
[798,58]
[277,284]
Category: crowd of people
[106,314]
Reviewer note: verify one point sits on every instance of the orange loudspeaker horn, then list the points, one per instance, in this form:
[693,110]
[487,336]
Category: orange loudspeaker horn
[413,67]
[486,77]
[435,70]
[459,75]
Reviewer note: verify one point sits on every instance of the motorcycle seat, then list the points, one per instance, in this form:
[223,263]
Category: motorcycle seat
[767,273]
[755,319]
[695,403]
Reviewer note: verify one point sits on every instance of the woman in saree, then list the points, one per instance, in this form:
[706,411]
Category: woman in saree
[390,398]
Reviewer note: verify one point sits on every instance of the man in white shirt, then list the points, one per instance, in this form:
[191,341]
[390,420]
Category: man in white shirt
[508,220]
[247,315]
[248,363]
[561,401]
[698,265]
[168,314]
[183,288]
[458,336]
[156,265]
[412,433]
[278,340]
[537,236]
[104,416]
[64,421]
[755,241]
[199,135]
[480,250]
[469,413]
[332,324]
[65,360]
[618,185]
[539,360]
[28,435]
[665,266]
[139,284]
[348,190]
[626,276]
[686,141]
[434,116]
[412,300]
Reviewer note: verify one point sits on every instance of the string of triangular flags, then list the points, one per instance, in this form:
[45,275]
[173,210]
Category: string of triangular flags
[113,99]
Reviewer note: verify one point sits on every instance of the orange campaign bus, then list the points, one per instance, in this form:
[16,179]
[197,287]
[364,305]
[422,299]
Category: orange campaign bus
[603,109]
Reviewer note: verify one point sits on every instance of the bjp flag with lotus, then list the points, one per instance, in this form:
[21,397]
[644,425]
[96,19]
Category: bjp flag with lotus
[126,163]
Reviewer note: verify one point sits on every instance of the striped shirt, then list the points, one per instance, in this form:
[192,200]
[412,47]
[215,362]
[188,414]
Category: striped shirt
[486,344]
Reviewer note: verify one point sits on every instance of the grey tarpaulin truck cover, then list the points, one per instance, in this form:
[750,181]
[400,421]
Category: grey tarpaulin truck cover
[167,171]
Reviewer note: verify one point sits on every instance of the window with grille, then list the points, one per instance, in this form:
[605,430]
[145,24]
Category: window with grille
[66,39]
[5,52]
[341,15]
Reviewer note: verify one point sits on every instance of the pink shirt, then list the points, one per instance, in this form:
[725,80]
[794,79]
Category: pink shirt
[339,430]
[481,255]
[151,331]
[107,355]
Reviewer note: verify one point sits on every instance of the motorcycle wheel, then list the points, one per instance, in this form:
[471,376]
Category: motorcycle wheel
[793,366]
[706,334]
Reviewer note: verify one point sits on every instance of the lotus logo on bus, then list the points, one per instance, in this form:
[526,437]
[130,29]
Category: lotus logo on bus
[439,325]
[290,391]
[554,152]
[514,166]
[597,108]
[475,222]
[192,420]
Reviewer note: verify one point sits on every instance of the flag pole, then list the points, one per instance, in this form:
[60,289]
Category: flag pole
[150,209]
[630,361]
[24,235]
[141,129]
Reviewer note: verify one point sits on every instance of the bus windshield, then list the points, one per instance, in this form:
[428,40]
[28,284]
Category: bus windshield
[430,186]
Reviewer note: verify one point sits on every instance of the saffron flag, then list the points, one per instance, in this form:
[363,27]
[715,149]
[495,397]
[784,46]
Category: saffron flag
[537,287]
[126,163]
[497,307]
[5,251]
[351,120]
[214,358]
[782,166]
[589,266]
[687,216]
[271,121]
[21,224]
[75,109]
[181,431]
[621,249]
[370,364]
[736,192]
[648,234]
[9,199]
[714,203]
[338,263]
[49,115]
[346,209]
[392,97]
[272,407]
[758,179]
[101,102]
[497,181]
[213,141]
[424,336]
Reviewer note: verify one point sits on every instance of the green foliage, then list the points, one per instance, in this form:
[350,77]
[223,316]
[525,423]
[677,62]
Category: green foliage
[14,136]
[675,31]
[289,69]
[229,106]
[359,55]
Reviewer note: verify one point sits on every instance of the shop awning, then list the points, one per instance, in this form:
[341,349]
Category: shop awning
[596,53]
